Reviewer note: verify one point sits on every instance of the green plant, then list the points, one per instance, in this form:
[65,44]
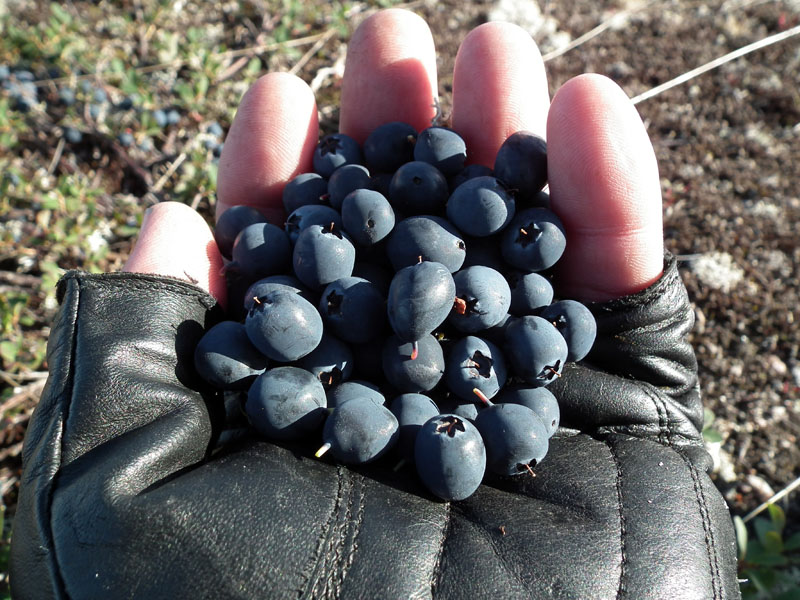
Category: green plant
[769,565]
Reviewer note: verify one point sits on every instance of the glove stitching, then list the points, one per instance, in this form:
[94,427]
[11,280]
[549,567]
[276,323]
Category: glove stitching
[713,559]
[348,533]
[312,577]
[69,386]
[436,575]
[622,529]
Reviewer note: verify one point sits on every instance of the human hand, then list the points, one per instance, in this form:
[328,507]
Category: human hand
[120,498]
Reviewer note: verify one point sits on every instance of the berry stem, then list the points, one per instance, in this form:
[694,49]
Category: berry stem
[323,449]
[482,397]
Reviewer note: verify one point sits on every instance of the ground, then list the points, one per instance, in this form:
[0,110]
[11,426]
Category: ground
[724,140]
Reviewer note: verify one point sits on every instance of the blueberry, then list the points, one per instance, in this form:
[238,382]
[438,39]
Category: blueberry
[72,135]
[450,457]
[347,390]
[354,309]
[443,148]
[534,240]
[433,238]
[125,139]
[418,375]
[99,96]
[412,412]
[389,146]
[367,216]
[453,405]
[521,163]
[160,117]
[286,403]
[480,207]
[260,249]
[333,151]
[227,359]
[474,364]
[310,214]
[530,293]
[359,431]
[420,298]
[418,188]
[515,438]
[346,179]
[467,173]
[275,282]
[173,117]
[536,349]
[539,399]
[576,323]
[307,188]
[215,129]
[283,325]
[482,299]
[322,255]
[66,96]
[231,222]
[331,361]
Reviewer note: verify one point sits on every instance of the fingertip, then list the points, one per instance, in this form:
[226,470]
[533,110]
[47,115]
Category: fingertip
[175,241]
[499,87]
[390,74]
[272,139]
[604,185]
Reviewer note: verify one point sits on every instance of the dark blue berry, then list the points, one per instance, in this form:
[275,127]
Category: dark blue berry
[474,364]
[310,214]
[576,323]
[433,238]
[283,325]
[420,298]
[227,359]
[307,188]
[412,412]
[450,457]
[539,399]
[359,431]
[354,309]
[333,151]
[534,240]
[260,249]
[322,255]
[367,216]
[482,299]
[286,403]
[515,438]
[418,188]
[420,374]
[346,179]
[389,146]
[536,349]
[231,222]
[480,207]
[521,163]
[443,148]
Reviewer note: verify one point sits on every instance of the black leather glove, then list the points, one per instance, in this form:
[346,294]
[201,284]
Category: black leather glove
[126,494]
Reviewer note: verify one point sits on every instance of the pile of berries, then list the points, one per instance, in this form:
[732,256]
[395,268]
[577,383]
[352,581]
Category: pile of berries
[401,273]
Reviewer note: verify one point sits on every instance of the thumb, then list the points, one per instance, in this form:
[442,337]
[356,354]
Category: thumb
[176,241]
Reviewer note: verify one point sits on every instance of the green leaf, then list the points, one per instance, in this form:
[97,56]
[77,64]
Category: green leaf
[61,15]
[773,542]
[778,517]
[793,543]
[741,536]
[254,66]
[789,595]
[762,527]
[9,350]
[712,436]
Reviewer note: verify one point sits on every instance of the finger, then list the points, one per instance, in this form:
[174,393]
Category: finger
[499,87]
[604,186]
[176,241]
[390,74]
[272,139]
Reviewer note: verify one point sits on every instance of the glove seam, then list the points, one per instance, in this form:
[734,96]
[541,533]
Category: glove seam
[69,386]
[622,528]
[708,532]
[436,575]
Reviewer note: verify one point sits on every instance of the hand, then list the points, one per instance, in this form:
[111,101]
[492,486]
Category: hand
[602,170]
[120,498]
